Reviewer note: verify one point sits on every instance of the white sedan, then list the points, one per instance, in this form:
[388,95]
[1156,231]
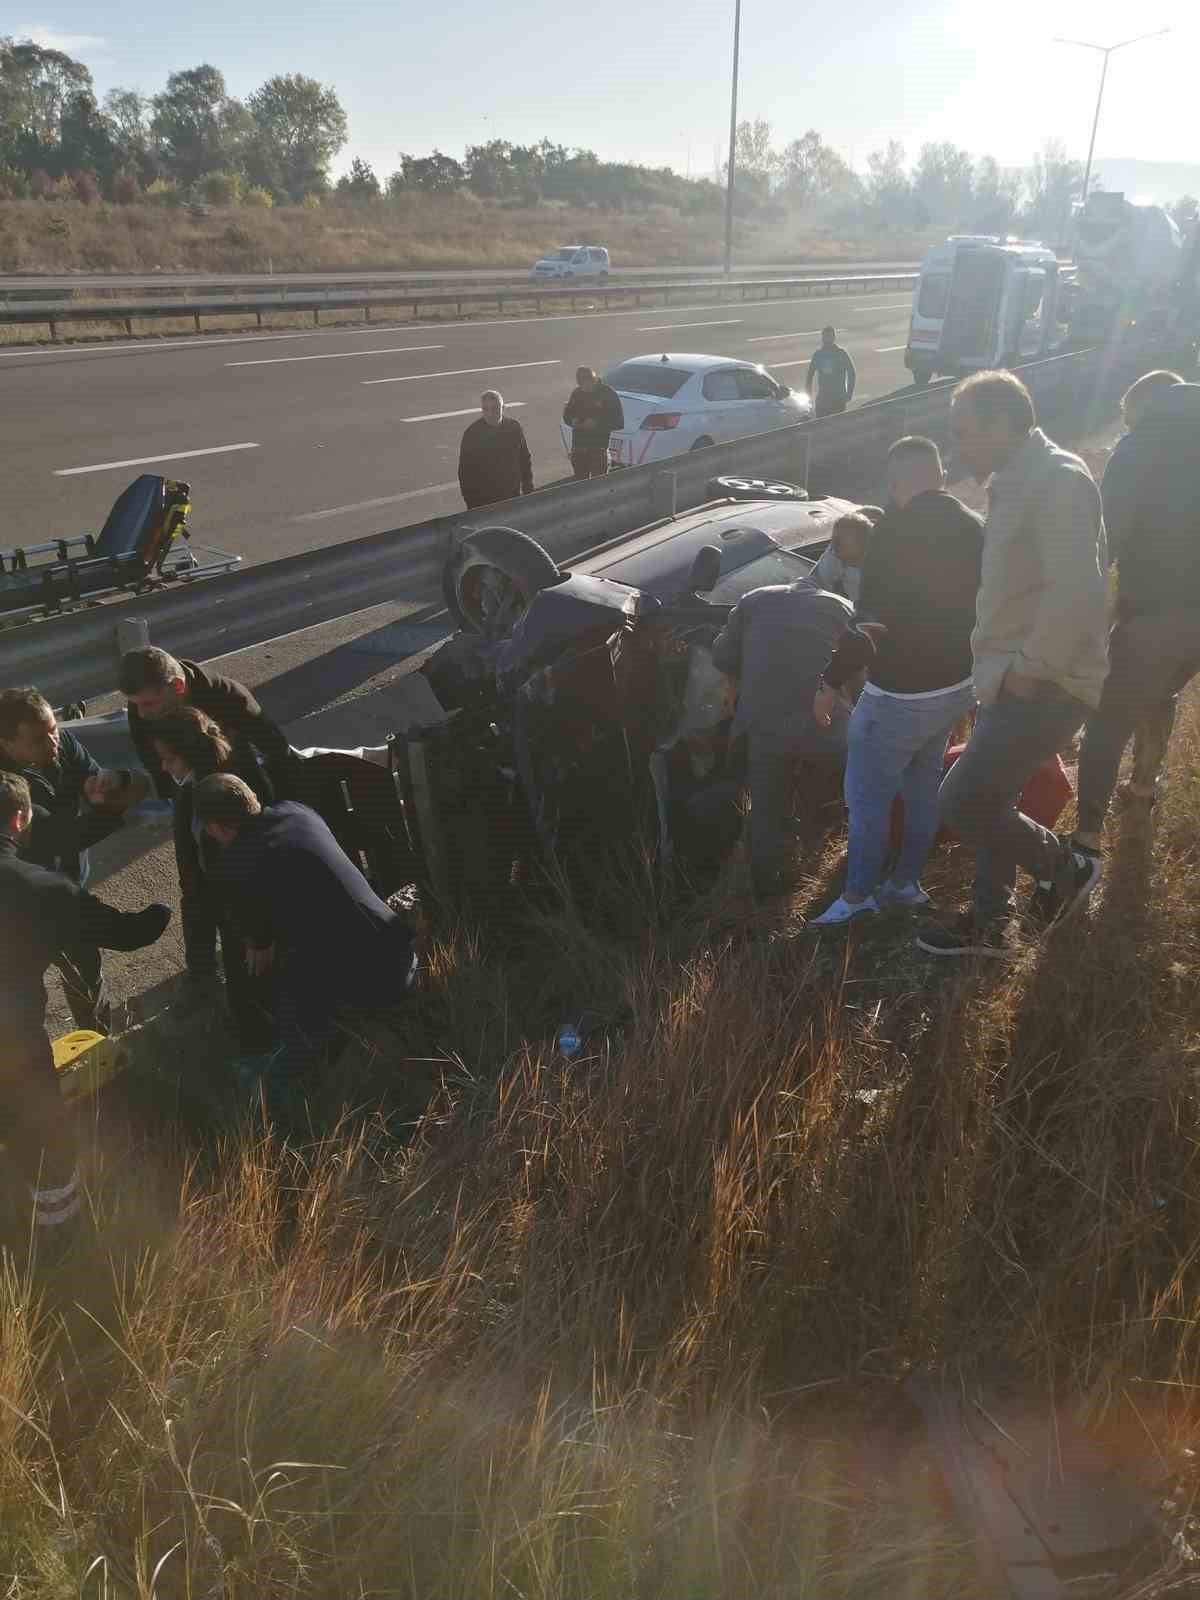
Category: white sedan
[674,403]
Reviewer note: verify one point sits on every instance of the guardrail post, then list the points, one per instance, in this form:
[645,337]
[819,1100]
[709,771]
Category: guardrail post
[53,330]
[316,316]
[662,494]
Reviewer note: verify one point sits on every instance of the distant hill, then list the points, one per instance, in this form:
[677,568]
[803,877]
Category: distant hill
[1147,182]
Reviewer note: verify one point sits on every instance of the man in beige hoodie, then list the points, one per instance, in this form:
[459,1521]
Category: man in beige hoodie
[1039,653]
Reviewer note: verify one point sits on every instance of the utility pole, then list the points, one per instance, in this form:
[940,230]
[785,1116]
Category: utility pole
[737,33]
[1105,50]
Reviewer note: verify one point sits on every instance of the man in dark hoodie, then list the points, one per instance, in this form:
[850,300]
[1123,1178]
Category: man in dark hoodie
[154,684]
[493,460]
[593,413]
[1152,513]
[916,609]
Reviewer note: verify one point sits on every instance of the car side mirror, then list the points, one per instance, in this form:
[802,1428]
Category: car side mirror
[706,569]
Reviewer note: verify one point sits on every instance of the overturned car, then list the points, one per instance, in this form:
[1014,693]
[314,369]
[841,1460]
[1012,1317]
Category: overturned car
[577,713]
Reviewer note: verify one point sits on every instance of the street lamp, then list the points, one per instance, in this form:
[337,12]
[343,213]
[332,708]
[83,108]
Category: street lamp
[1105,50]
[737,31]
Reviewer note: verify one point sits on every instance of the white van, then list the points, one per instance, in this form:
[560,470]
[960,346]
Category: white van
[573,261]
[984,301]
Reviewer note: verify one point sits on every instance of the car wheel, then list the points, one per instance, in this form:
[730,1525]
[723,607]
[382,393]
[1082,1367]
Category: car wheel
[604,277]
[491,577]
[703,442]
[753,489]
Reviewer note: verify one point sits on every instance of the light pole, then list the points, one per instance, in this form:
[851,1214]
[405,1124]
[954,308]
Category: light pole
[737,33]
[1105,50]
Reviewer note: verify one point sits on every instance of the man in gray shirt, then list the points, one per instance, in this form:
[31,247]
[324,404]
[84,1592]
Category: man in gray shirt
[775,644]
[1038,652]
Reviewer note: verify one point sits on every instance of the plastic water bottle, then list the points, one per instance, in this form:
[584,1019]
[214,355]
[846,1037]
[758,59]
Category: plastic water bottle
[570,1040]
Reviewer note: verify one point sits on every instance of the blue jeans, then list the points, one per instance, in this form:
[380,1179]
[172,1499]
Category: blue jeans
[980,794]
[896,747]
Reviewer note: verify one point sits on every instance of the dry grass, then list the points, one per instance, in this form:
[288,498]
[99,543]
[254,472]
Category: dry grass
[630,1326]
[412,232]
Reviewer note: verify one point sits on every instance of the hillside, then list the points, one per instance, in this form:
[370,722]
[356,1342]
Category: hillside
[410,232]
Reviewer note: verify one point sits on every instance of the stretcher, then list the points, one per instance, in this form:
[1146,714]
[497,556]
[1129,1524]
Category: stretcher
[145,543]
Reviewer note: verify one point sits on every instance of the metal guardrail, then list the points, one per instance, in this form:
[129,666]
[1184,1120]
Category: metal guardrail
[236,285]
[73,656]
[534,294]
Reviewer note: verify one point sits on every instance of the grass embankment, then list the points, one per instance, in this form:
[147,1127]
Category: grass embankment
[630,1325]
[409,233]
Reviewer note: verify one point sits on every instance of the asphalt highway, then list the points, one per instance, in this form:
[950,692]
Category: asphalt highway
[293,441]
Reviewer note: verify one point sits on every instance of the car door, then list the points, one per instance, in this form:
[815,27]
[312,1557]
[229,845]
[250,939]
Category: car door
[724,408]
[760,400]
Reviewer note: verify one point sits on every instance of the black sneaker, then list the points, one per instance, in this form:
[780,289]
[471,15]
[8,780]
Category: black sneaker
[970,935]
[1076,878]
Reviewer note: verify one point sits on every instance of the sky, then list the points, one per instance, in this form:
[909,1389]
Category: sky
[651,83]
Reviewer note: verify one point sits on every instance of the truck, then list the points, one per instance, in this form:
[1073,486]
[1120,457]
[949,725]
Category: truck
[984,301]
[1129,260]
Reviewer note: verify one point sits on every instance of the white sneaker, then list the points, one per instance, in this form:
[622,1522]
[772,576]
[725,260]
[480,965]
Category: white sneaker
[842,911]
[906,895]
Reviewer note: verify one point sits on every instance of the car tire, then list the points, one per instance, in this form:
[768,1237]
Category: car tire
[730,488]
[702,443]
[519,559]
[604,277]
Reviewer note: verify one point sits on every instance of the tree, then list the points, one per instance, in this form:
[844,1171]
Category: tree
[85,140]
[489,169]
[360,183]
[299,126]
[889,192]
[811,170]
[197,126]
[35,86]
[125,111]
[435,174]
[996,197]
[943,184]
[1055,184]
[755,159]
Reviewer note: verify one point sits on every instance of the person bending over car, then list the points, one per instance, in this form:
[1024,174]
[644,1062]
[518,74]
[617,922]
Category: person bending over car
[493,460]
[775,644]
[154,684]
[592,413]
[306,912]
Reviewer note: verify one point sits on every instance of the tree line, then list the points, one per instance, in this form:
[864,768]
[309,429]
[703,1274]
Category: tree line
[195,142]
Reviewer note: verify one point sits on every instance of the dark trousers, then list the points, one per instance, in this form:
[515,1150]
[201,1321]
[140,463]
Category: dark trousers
[83,984]
[772,764]
[979,795]
[590,460]
[833,406]
[35,1124]
[1149,661]
[199,919]
[251,1000]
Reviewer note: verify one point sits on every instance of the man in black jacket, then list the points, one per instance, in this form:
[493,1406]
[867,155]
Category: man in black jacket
[76,803]
[831,376]
[916,610]
[306,910]
[42,913]
[155,683]
[1151,497]
[493,460]
[592,413]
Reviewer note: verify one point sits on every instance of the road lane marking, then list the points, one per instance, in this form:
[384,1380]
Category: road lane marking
[459,372]
[148,344]
[669,327]
[373,505]
[767,338]
[336,355]
[895,305]
[890,349]
[778,366]
[470,411]
[149,461]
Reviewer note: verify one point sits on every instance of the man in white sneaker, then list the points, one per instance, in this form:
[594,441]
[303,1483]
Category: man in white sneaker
[915,612]
[1039,651]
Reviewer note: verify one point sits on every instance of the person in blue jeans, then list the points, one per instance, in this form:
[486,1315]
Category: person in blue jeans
[916,609]
[1040,658]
